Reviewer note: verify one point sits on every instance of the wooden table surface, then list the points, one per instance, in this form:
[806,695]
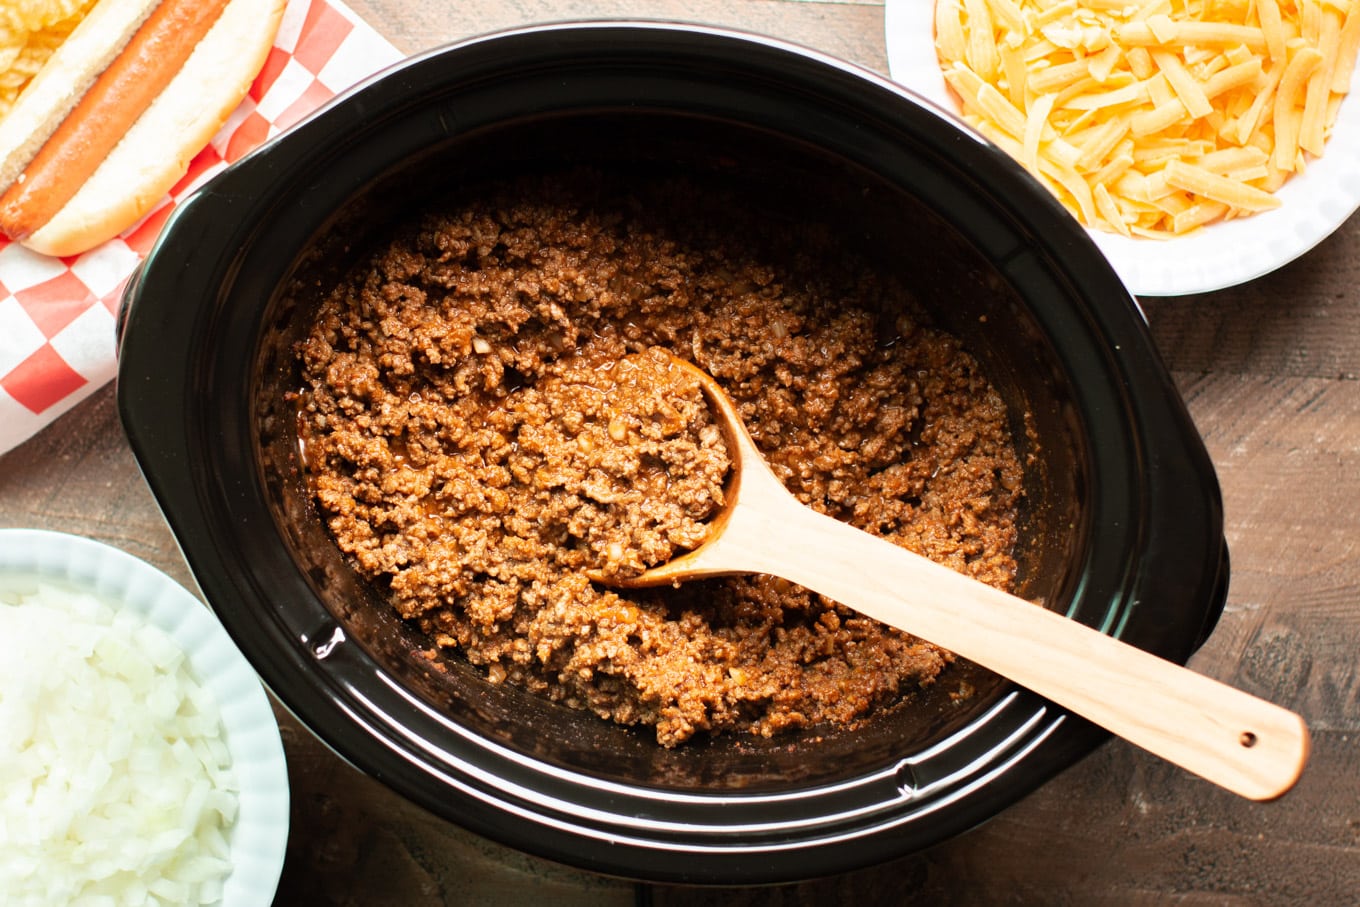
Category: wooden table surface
[1271,373]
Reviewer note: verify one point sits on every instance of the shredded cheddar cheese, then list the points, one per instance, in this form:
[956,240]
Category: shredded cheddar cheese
[1151,118]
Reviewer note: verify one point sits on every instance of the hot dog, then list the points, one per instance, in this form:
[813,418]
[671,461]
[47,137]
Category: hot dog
[118,112]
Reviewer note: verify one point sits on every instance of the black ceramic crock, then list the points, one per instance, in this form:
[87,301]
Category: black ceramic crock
[1122,525]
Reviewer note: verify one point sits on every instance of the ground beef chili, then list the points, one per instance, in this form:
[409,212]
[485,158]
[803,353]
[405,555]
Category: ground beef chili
[451,380]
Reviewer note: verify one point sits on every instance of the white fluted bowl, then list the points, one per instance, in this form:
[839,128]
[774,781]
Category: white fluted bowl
[259,836]
[1313,204]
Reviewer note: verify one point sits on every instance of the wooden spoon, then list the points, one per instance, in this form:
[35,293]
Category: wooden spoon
[1245,744]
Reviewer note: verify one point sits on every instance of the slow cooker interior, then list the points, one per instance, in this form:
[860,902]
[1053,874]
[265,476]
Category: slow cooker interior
[962,291]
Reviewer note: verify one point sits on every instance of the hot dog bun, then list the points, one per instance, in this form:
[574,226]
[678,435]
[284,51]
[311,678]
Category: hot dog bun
[59,85]
[154,153]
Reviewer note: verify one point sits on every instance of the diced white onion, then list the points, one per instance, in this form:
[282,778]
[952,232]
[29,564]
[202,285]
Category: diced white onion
[115,781]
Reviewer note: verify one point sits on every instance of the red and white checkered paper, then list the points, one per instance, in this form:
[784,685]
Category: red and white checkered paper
[57,314]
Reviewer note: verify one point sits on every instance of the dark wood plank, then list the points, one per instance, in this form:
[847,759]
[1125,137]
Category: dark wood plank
[78,475]
[852,31]
[1303,319]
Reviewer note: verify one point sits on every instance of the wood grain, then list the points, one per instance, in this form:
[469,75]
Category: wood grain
[1271,375]
[853,31]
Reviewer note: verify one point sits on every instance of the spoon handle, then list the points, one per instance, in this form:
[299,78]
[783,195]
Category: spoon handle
[1243,743]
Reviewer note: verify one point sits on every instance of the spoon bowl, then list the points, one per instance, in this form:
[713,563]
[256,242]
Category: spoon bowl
[1238,741]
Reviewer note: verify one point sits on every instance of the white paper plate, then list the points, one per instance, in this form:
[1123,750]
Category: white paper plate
[1221,255]
[259,837]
